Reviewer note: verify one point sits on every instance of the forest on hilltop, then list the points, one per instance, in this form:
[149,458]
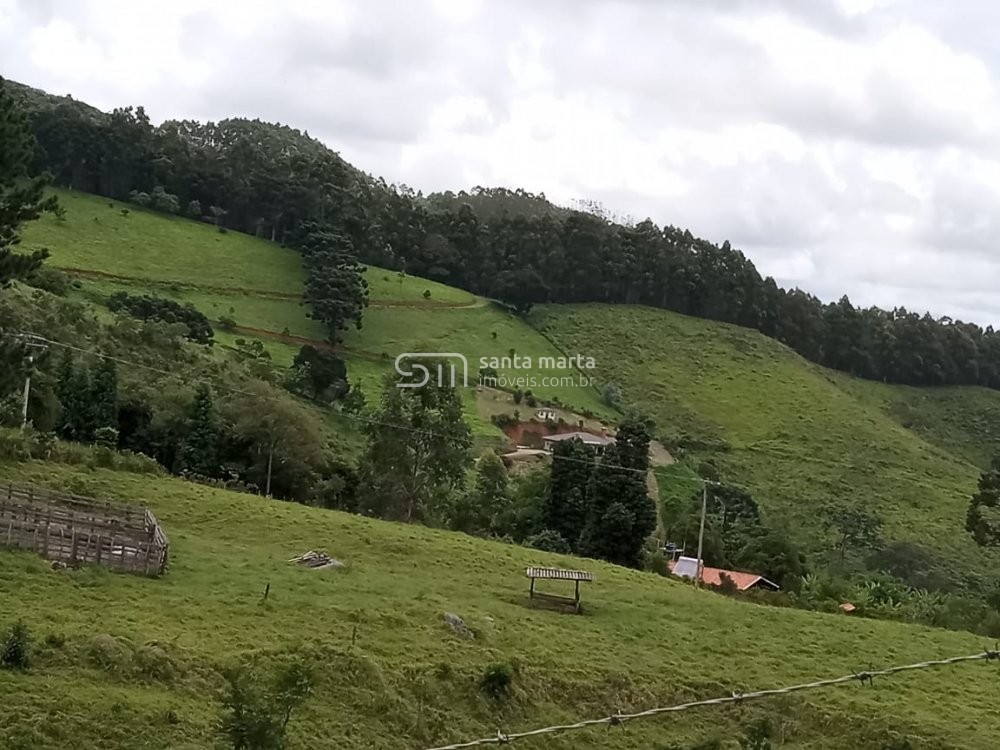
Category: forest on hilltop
[272,181]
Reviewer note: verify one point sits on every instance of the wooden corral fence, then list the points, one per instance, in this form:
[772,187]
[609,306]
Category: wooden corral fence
[75,530]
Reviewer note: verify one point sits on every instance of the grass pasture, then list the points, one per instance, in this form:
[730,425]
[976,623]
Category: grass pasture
[790,430]
[257,284]
[126,662]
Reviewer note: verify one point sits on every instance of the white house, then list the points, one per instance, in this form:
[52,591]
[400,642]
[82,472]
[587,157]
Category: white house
[596,442]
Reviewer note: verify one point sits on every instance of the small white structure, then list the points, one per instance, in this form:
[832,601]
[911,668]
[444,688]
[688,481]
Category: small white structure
[545,415]
[595,442]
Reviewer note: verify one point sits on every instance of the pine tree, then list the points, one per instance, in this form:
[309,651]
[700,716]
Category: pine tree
[13,364]
[200,450]
[104,396]
[566,502]
[336,289]
[479,511]
[983,518]
[64,392]
[74,392]
[21,199]
[620,514]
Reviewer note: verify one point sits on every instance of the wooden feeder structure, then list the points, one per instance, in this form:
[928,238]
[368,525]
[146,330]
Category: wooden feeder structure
[556,601]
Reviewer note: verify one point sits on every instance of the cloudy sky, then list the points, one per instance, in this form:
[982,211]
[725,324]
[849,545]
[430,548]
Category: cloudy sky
[845,145]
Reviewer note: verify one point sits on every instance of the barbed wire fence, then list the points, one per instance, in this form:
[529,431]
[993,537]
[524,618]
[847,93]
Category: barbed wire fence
[619,718]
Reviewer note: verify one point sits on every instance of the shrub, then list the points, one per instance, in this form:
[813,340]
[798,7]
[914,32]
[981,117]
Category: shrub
[726,585]
[193,210]
[108,653]
[257,711]
[139,198]
[155,663]
[497,681]
[43,444]
[106,437]
[16,647]
[226,323]
[161,200]
[146,307]
[548,540]
[51,280]
[990,626]
[55,640]
[758,736]
[354,401]
[657,563]
[427,293]
[503,420]
[518,396]
[611,394]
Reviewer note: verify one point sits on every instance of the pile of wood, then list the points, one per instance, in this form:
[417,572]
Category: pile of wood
[316,560]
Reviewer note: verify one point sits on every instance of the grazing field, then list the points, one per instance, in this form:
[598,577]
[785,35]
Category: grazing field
[123,662]
[147,247]
[258,285]
[964,421]
[798,435]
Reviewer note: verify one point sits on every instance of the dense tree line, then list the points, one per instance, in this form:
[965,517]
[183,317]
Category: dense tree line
[267,180]
[983,518]
[272,181]
[598,506]
[146,307]
[21,198]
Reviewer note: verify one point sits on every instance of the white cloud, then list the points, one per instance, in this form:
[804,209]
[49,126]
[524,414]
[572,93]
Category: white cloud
[847,146]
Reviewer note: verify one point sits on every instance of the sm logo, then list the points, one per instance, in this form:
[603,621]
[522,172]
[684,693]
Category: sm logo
[420,368]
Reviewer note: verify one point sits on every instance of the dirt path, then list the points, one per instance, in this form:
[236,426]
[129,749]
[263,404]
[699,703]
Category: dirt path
[417,304]
[290,338]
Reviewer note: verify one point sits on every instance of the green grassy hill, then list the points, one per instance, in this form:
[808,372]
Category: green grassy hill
[798,435]
[259,284]
[126,662]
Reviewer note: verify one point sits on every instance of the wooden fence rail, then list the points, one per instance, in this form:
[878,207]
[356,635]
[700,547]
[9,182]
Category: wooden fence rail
[77,530]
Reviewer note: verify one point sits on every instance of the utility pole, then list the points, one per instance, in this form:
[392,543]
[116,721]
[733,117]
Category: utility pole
[31,343]
[27,393]
[701,532]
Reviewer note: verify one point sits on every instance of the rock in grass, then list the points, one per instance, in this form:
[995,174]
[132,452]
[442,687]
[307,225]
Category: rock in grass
[458,626]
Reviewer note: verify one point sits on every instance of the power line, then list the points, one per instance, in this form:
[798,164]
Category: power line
[619,718]
[125,362]
[351,417]
[656,471]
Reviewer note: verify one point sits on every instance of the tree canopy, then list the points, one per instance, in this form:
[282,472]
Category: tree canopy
[983,518]
[418,449]
[276,182]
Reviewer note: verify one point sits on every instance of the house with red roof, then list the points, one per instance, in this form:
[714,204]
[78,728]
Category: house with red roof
[686,567]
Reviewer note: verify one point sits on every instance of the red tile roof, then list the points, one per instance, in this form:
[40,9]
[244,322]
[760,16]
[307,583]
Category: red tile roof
[713,577]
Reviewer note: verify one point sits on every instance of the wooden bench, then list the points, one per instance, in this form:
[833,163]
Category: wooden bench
[556,601]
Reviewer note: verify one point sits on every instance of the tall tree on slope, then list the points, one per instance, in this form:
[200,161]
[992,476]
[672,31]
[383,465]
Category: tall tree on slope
[21,199]
[983,518]
[418,450]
